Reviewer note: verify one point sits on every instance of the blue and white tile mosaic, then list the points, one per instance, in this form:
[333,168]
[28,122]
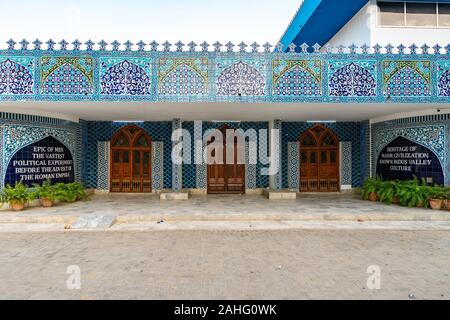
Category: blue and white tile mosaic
[157,165]
[429,131]
[346,163]
[293,165]
[354,79]
[16,75]
[103,161]
[125,76]
[241,77]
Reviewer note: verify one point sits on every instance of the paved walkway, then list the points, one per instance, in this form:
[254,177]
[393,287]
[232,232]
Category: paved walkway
[105,210]
[227,264]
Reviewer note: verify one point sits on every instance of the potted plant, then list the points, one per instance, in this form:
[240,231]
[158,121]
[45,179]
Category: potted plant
[46,193]
[370,189]
[71,192]
[387,191]
[437,197]
[448,199]
[413,194]
[16,196]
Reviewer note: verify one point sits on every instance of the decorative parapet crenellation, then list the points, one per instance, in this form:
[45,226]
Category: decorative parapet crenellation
[223,72]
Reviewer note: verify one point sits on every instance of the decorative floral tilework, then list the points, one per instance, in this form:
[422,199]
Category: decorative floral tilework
[67,75]
[407,78]
[157,165]
[293,154]
[125,76]
[297,77]
[183,76]
[103,165]
[443,76]
[433,137]
[16,75]
[354,79]
[346,163]
[15,137]
[241,78]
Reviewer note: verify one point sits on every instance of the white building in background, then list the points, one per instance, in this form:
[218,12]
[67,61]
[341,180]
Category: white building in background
[397,22]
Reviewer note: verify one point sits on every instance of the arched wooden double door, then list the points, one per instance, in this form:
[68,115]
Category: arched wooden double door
[131,165]
[226,177]
[319,160]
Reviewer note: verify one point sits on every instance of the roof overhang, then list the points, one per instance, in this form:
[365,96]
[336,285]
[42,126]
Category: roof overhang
[317,21]
[166,111]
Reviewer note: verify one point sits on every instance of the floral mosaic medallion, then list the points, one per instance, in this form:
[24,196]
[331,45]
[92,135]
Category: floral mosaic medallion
[16,75]
[355,79]
[127,76]
[444,79]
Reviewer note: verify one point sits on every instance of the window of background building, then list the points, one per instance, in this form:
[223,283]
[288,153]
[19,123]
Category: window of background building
[413,14]
[444,15]
[391,14]
[421,15]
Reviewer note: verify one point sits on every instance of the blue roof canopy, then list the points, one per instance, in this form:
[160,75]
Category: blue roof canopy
[317,21]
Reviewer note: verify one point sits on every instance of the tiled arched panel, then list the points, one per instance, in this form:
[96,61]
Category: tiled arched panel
[241,78]
[183,77]
[297,77]
[355,79]
[16,75]
[67,75]
[443,79]
[407,78]
[125,76]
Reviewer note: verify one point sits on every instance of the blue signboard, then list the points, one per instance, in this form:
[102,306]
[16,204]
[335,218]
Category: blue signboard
[404,159]
[46,158]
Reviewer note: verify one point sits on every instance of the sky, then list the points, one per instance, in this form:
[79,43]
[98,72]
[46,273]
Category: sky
[134,20]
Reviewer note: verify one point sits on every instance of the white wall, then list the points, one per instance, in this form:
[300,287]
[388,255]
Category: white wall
[363,29]
[356,31]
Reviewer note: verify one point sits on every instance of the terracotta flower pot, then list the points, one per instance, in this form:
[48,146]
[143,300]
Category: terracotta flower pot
[448,205]
[17,205]
[373,196]
[436,204]
[45,202]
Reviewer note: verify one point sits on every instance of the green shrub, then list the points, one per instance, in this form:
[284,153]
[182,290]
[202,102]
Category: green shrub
[411,193]
[414,193]
[46,191]
[71,192]
[20,193]
[371,185]
[438,192]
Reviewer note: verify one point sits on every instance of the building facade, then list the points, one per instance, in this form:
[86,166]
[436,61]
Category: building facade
[332,112]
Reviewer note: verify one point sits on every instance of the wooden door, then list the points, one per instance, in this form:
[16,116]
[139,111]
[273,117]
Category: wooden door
[131,161]
[226,177]
[319,160]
